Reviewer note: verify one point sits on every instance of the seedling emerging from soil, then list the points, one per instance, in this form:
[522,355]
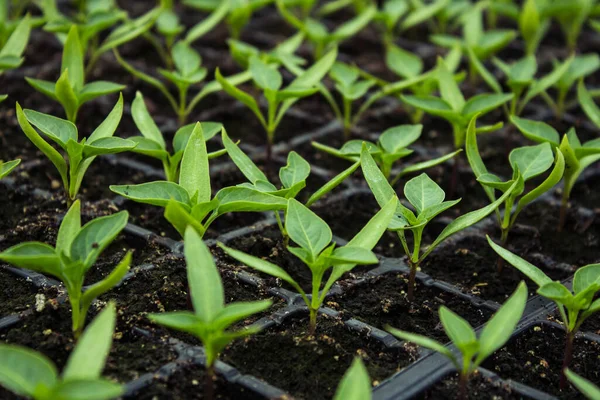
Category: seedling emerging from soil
[11,50]
[152,142]
[319,35]
[238,12]
[211,316]
[77,249]
[472,350]
[427,198]
[313,236]
[279,100]
[452,106]
[527,162]
[70,90]
[7,167]
[391,146]
[356,384]
[587,388]
[577,156]
[575,305]
[28,373]
[190,201]
[80,153]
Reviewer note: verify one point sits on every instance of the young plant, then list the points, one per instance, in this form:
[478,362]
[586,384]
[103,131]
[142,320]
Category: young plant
[533,24]
[577,156]
[79,153]
[77,249]
[190,201]
[279,100]
[313,236]
[587,388]
[211,317]
[356,384]
[452,105]
[70,90]
[12,49]
[7,167]
[427,198]
[527,162]
[152,142]
[472,350]
[391,146]
[574,306]
[31,374]
[571,17]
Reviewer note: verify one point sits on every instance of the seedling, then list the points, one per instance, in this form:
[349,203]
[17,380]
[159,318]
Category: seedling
[472,350]
[391,146]
[574,306]
[427,198]
[7,167]
[211,317]
[152,142]
[533,25]
[70,90]
[279,100]
[31,374]
[80,153]
[527,162]
[77,249]
[587,388]
[400,15]
[356,384]
[577,156]
[571,16]
[452,106]
[190,201]
[586,102]
[313,236]
[12,46]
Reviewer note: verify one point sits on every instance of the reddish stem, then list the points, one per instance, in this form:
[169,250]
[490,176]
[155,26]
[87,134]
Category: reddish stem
[567,359]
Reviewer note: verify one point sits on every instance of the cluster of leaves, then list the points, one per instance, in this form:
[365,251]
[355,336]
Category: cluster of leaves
[13,44]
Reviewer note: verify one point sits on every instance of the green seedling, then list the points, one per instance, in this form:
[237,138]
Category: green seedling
[427,199]
[79,153]
[571,17]
[317,33]
[527,162]
[77,249]
[453,107]
[586,101]
[577,156]
[7,167]
[152,142]
[279,100]
[70,90]
[190,201]
[211,317]
[356,384]
[391,146]
[32,375]
[313,236]
[472,350]
[13,47]
[587,388]
[574,306]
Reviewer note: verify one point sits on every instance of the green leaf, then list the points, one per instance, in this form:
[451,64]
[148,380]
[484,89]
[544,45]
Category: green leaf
[585,277]
[457,329]
[537,131]
[487,76]
[7,167]
[129,30]
[187,60]
[355,25]
[449,89]
[239,95]
[266,76]
[157,193]
[306,228]
[107,145]
[180,217]
[587,103]
[501,326]
[547,81]
[67,97]
[113,279]
[45,87]
[242,161]
[393,140]
[423,13]
[352,254]
[236,199]
[206,287]
[72,59]
[586,387]
[422,341]
[582,66]
[182,136]
[96,89]
[402,62]
[69,227]
[184,321]
[208,23]
[531,160]
[429,163]
[332,184]
[431,105]
[238,311]
[296,170]
[316,72]
[343,74]
[87,359]
[35,256]
[355,384]
[87,389]
[195,175]
[484,103]
[22,370]
[57,129]
[108,127]
[17,41]
[557,292]
[422,192]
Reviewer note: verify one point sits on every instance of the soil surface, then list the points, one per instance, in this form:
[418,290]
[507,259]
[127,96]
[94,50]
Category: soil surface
[479,387]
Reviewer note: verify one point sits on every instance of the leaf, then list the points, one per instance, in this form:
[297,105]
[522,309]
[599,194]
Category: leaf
[87,359]
[67,97]
[332,184]
[129,30]
[180,217]
[306,228]
[238,311]
[7,167]
[355,384]
[531,271]
[537,131]
[184,321]
[352,254]
[22,370]
[423,13]
[555,291]
[108,127]
[457,329]
[96,89]
[17,41]
[586,277]
[586,387]
[344,74]
[487,76]
[547,81]
[35,256]
[72,59]
[186,60]
[587,103]
[316,72]
[377,182]
[501,326]
[422,341]
[484,103]
[236,199]
[431,105]
[394,139]
[531,160]
[296,170]
[239,95]
[194,175]
[582,66]
[422,192]
[266,76]
[57,129]
[96,389]
[402,62]
[107,145]
[449,89]
[155,193]
[355,25]
[69,227]
[209,130]
[416,167]
[44,87]
[113,279]
[208,23]
[242,161]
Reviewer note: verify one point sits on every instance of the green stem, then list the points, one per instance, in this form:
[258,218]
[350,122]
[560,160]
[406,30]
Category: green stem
[347,121]
[280,224]
[314,303]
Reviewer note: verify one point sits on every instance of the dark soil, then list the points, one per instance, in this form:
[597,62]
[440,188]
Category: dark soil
[535,358]
[18,294]
[479,387]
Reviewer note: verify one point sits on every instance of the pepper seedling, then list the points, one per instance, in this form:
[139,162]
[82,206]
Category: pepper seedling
[70,90]
[427,198]
[574,306]
[31,374]
[11,50]
[527,162]
[77,249]
[190,201]
[356,384]
[397,16]
[587,388]
[472,350]
[577,156]
[391,146]
[453,107]
[7,167]
[279,100]
[80,153]
[152,142]
[571,17]
[313,236]
[211,317]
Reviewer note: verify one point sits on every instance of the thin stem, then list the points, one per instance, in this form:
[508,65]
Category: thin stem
[313,322]
[568,356]
[564,206]
[280,224]
[463,380]
[411,280]
[347,121]
[503,240]
[209,386]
